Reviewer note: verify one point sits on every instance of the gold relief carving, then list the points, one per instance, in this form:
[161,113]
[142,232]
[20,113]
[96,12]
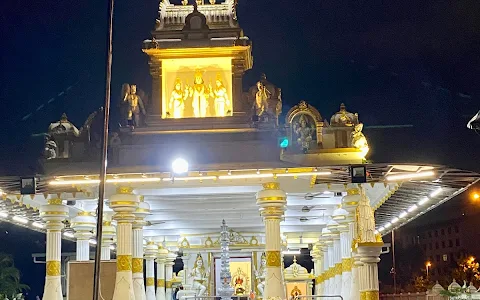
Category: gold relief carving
[353,191]
[53,268]
[160,282]
[137,265]
[272,211]
[124,263]
[168,284]
[84,213]
[273,258]
[347,264]
[253,241]
[132,203]
[56,201]
[338,269]
[272,199]
[209,242]
[150,281]
[369,295]
[271,186]
[124,190]
[184,243]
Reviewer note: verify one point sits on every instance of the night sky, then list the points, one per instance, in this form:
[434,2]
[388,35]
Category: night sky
[394,62]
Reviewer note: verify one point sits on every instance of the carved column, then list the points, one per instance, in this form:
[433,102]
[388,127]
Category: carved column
[137,262]
[108,238]
[151,252]
[327,261]
[83,224]
[239,108]
[170,261]
[53,214]
[124,203]
[155,105]
[317,256]
[272,202]
[161,259]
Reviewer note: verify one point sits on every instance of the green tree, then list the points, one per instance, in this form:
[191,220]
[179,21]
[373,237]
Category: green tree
[9,277]
[468,270]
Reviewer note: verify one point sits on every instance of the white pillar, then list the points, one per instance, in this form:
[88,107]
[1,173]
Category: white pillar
[83,224]
[170,261]
[369,256]
[161,258]
[53,213]
[124,203]
[356,270]
[337,265]
[108,238]
[137,262]
[272,202]
[151,252]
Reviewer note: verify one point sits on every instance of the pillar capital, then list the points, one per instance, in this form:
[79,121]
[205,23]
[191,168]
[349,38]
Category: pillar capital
[140,213]
[54,213]
[272,200]
[151,250]
[83,224]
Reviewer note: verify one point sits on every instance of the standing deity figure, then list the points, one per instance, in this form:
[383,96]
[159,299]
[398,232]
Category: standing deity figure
[199,93]
[134,104]
[359,140]
[200,276]
[304,133]
[220,96]
[261,274]
[365,221]
[261,99]
[177,100]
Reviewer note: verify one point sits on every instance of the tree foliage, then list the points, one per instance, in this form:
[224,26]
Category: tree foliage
[467,270]
[9,277]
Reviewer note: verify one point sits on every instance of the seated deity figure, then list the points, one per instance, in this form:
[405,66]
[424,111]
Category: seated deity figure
[304,133]
[199,93]
[177,100]
[220,96]
[261,100]
[200,276]
[359,140]
[261,274]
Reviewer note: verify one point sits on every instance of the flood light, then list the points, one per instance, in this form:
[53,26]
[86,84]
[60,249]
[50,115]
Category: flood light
[180,166]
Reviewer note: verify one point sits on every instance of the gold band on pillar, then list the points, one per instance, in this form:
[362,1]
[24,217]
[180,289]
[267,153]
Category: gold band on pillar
[168,284]
[137,264]
[369,295]
[338,269]
[160,282]
[150,281]
[273,258]
[124,263]
[53,268]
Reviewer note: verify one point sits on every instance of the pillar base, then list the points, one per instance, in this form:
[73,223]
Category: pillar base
[123,287]
[138,287]
[53,288]
[274,284]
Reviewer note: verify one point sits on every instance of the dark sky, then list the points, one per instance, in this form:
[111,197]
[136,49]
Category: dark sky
[394,62]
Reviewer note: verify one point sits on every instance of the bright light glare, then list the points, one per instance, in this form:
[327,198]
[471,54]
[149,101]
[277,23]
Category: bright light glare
[20,220]
[38,225]
[435,192]
[93,242]
[180,166]
[410,176]
[381,229]
[423,201]
[394,220]
[412,208]
[3,214]
[112,247]
[476,196]
[388,225]
[403,214]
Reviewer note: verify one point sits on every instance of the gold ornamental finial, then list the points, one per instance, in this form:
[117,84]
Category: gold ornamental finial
[55,201]
[271,186]
[353,191]
[124,190]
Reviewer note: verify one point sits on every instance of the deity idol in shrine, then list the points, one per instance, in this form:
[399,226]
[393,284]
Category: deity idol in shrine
[261,274]
[220,96]
[199,93]
[304,133]
[261,99]
[177,100]
[200,276]
[134,104]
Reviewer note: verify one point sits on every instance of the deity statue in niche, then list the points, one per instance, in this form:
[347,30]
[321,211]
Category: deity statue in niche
[359,140]
[177,100]
[199,92]
[200,276]
[239,281]
[295,293]
[304,130]
[261,274]
[220,95]
[134,105]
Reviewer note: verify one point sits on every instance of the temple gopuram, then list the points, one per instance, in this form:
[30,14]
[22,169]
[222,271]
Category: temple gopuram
[201,149]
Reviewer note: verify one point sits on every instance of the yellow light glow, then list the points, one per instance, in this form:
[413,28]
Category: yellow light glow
[428,264]
[476,196]
[305,174]
[190,178]
[246,176]
[410,176]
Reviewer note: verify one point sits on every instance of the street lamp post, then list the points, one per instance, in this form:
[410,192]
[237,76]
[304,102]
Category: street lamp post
[428,265]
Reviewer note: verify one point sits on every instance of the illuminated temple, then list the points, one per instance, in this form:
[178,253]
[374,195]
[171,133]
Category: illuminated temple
[201,149]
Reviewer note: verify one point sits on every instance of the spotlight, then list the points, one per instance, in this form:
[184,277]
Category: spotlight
[180,166]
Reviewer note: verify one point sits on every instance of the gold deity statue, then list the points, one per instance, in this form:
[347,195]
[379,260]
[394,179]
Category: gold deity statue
[177,100]
[359,140]
[304,133]
[199,92]
[295,293]
[261,99]
[200,276]
[221,101]
[134,104]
